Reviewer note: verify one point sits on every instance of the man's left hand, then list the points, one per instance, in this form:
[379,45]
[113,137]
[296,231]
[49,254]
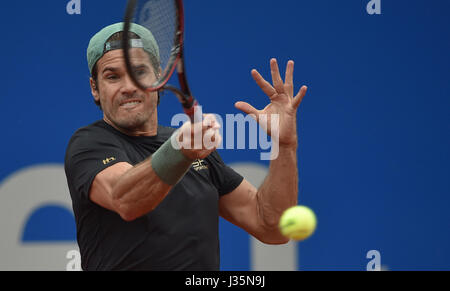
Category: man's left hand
[282,103]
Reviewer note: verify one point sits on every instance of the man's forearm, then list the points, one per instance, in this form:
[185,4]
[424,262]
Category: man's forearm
[280,188]
[139,191]
[144,187]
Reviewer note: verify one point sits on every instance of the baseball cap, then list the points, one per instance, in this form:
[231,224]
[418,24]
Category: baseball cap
[98,45]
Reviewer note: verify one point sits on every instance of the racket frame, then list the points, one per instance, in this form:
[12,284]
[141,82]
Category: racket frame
[190,105]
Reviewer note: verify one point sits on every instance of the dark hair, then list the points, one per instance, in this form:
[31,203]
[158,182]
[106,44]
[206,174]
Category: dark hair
[116,37]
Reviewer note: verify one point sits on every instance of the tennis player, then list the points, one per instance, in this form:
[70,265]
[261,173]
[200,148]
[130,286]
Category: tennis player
[141,204]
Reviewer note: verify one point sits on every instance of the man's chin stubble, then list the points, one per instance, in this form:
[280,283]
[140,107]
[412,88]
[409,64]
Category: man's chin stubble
[137,122]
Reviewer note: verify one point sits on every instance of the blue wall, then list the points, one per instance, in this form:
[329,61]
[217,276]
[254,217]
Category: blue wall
[374,153]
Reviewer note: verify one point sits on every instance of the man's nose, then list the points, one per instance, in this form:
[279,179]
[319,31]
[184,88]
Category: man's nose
[129,87]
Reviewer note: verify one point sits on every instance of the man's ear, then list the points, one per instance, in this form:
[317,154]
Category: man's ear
[94,90]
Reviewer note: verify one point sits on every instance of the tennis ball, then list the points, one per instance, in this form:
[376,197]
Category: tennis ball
[298,223]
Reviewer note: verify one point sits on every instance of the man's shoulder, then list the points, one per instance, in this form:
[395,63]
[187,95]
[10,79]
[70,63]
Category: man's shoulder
[103,132]
[93,133]
[92,130]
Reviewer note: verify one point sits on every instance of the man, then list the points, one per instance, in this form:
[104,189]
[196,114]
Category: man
[141,204]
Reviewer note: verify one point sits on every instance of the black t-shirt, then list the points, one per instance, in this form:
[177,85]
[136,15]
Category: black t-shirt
[180,234]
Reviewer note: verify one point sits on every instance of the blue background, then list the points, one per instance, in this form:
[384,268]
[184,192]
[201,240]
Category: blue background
[374,154]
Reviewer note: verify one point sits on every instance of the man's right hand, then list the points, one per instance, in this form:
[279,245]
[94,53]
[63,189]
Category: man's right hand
[198,140]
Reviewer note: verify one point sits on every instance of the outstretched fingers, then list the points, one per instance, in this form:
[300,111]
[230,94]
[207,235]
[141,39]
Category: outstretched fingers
[299,98]
[276,77]
[247,109]
[265,86]
[280,88]
[289,80]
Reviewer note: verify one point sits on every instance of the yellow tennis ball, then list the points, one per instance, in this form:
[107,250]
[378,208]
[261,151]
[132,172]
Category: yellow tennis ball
[298,223]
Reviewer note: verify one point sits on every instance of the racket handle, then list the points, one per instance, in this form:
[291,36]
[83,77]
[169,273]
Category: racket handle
[194,113]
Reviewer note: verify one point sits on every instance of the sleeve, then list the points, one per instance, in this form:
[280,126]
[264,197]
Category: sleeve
[89,152]
[224,178]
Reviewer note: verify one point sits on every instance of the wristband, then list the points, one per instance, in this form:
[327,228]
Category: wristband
[169,164]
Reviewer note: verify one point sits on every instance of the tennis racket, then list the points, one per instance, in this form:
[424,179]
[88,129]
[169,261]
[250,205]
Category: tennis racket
[165,20]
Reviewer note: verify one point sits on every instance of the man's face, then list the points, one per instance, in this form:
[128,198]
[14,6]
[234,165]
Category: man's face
[125,105]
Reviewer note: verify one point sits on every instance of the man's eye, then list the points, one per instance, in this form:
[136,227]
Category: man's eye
[112,77]
[140,73]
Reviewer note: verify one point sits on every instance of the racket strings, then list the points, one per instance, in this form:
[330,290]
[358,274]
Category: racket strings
[160,17]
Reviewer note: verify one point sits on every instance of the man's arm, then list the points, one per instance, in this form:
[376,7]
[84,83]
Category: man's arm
[129,191]
[258,210]
[135,191]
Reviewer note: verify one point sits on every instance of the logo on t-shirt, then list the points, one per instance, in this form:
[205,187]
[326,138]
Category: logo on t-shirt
[109,160]
[199,165]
